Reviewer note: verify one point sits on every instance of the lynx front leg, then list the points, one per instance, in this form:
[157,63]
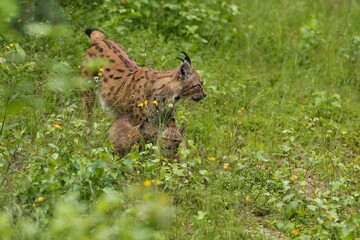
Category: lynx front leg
[88,102]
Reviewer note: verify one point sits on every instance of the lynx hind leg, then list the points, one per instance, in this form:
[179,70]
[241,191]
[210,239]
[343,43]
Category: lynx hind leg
[88,102]
[123,135]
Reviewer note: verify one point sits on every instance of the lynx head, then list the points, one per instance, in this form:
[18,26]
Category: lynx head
[192,85]
[172,136]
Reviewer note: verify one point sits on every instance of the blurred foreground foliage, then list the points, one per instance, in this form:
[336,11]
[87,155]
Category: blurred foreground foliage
[272,152]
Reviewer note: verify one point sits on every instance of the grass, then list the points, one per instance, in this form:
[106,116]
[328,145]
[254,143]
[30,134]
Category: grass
[272,151]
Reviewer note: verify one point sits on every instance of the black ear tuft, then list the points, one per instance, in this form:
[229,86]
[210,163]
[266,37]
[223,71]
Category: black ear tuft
[88,31]
[187,58]
[180,59]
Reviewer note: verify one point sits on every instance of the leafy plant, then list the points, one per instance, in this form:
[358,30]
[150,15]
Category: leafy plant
[271,153]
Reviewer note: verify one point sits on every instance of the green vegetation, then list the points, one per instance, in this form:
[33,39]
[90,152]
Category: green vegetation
[272,152]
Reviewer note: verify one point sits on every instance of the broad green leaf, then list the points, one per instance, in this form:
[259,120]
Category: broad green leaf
[312,207]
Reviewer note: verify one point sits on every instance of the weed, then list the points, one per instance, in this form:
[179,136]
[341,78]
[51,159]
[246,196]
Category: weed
[272,152]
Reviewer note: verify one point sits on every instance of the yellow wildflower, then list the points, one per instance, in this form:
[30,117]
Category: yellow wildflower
[302,184]
[240,111]
[11,44]
[146,102]
[140,104]
[293,178]
[155,103]
[57,126]
[40,199]
[100,74]
[212,158]
[226,166]
[7,47]
[295,232]
[101,70]
[247,198]
[147,183]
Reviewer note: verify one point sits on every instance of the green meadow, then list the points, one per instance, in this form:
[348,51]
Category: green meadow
[272,152]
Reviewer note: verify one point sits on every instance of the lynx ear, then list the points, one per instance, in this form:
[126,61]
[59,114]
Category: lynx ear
[171,123]
[187,58]
[182,130]
[184,70]
[185,66]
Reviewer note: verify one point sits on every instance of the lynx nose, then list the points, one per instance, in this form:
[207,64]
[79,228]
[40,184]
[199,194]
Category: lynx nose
[203,93]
